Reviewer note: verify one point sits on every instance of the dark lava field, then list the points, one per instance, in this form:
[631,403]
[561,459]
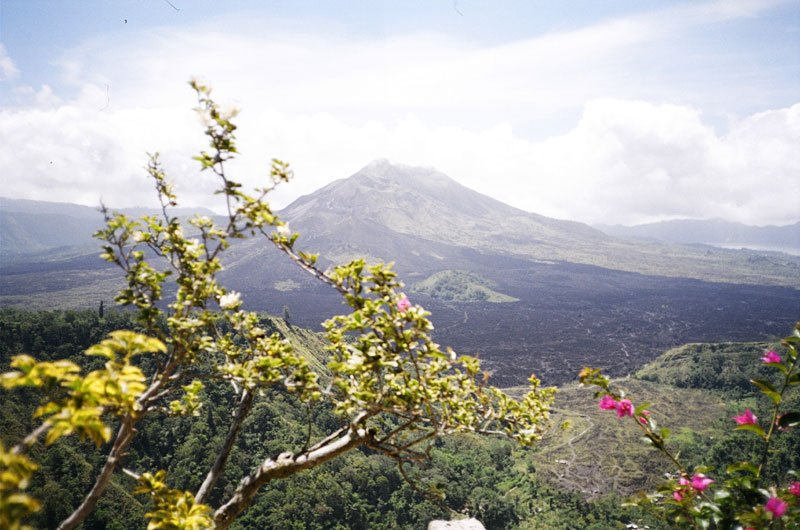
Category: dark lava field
[569,316]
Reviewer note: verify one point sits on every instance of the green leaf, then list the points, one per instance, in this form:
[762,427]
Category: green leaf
[779,366]
[753,428]
[722,494]
[776,398]
[743,466]
[764,384]
[794,379]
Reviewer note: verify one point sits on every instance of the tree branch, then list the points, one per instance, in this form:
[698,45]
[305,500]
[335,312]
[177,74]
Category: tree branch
[26,442]
[216,470]
[285,465]
[124,436]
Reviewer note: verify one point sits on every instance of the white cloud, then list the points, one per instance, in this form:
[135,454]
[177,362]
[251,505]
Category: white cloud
[631,162]
[8,70]
[624,162]
[330,105]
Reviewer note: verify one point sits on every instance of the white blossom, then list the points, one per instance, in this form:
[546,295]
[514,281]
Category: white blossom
[194,247]
[230,300]
[228,112]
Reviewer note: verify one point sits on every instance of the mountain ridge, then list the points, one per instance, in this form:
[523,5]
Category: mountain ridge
[32,230]
[420,218]
[714,232]
[392,201]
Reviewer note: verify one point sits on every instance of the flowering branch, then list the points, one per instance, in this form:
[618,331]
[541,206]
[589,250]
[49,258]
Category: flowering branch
[699,501]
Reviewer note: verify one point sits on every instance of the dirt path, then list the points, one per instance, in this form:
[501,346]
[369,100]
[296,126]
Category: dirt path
[571,475]
[571,462]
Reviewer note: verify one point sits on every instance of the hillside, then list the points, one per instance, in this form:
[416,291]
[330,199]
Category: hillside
[694,389]
[505,486]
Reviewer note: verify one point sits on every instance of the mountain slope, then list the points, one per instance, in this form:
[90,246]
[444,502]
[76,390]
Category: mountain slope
[400,213]
[45,231]
[425,204]
[581,297]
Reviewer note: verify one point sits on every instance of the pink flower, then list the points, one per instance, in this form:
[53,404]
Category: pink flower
[700,481]
[624,408]
[608,403]
[643,421]
[403,304]
[746,418]
[776,506]
[682,489]
[794,488]
[771,357]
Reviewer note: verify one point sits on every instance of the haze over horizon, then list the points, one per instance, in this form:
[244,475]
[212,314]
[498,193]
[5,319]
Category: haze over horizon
[627,112]
[189,209]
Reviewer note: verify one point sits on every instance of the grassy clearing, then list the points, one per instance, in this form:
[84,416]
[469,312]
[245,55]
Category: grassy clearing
[599,453]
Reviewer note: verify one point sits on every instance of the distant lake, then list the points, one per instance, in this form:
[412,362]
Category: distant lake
[794,251]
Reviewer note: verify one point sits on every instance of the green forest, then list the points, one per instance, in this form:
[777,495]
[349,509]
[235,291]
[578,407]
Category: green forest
[486,477]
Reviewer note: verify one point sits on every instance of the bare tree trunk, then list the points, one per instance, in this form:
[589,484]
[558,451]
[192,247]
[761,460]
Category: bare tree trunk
[245,404]
[285,465]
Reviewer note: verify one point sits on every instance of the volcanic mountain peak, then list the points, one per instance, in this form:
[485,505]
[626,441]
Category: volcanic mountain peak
[383,175]
[427,204]
[382,187]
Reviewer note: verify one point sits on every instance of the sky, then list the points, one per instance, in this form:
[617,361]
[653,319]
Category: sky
[619,112]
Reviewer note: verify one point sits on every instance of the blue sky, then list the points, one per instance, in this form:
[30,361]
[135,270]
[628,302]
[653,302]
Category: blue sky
[615,111]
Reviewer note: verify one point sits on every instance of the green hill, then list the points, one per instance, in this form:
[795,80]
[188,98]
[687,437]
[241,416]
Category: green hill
[460,286]
[726,367]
